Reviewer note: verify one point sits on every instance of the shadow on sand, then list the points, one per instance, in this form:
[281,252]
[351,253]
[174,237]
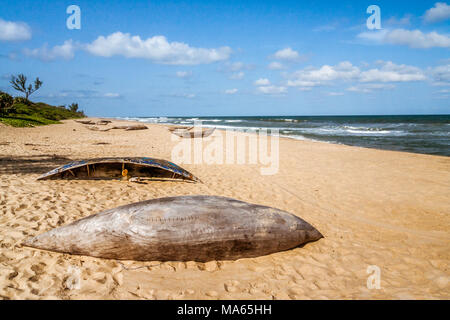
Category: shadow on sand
[36,164]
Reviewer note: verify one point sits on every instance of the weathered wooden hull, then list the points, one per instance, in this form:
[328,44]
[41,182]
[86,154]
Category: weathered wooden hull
[188,228]
[131,127]
[112,168]
[179,128]
[85,122]
[194,134]
[103,122]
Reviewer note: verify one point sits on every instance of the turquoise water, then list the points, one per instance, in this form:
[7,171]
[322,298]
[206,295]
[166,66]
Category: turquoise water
[428,134]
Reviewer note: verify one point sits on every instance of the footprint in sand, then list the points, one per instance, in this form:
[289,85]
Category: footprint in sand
[176,296]
[189,291]
[72,281]
[12,275]
[296,292]
[208,266]
[22,206]
[212,294]
[118,278]
[231,286]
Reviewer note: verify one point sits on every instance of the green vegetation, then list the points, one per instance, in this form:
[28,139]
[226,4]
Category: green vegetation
[6,102]
[37,114]
[22,100]
[73,107]
[21,112]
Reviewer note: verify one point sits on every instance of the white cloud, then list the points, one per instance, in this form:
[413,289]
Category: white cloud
[411,38]
[335,94]
[237,76]
[190,95]
[184,74]
[10,56]
[231,91]
[262,82]
[179,95]
[83,94]
[375,78]
[358,89]
[235,66]
[326,28]
[375,36]
[441,84]
[272,90]
[390,72]
[65,51]
[302,83]
[234,70]
[14,31]
[311,77]
[287,54]
[405,21]
[276,66]
[112,95]
[156,49]
[417,39]
[440,12]
[370,87]
[379,86]
[441,75]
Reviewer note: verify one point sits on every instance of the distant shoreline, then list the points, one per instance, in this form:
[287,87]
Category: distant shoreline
[419,134]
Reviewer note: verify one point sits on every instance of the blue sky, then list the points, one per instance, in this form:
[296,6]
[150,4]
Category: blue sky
[199,58]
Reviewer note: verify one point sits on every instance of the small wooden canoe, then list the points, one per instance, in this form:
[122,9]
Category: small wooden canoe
[113,168]
[131,127]
[194,134]
[103,122]
[173,128]
[85,122]
[98,129]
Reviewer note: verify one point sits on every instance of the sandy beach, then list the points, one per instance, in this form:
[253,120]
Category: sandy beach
[375,208]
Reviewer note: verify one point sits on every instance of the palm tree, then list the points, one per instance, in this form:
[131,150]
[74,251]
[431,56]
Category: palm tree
[19,83]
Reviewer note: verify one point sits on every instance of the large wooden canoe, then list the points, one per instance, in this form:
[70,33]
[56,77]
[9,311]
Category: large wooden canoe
[187,228]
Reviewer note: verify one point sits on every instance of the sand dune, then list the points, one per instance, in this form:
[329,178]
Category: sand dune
[382,208]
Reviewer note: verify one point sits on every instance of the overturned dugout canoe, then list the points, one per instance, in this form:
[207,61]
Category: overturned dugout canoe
[173,128]
[89,122]
[98,129]
[103,122]
[194,134]
[137,127]
[187,228]
[131,127]
[112,168]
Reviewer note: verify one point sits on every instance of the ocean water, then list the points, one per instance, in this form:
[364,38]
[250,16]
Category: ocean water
[428,134]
